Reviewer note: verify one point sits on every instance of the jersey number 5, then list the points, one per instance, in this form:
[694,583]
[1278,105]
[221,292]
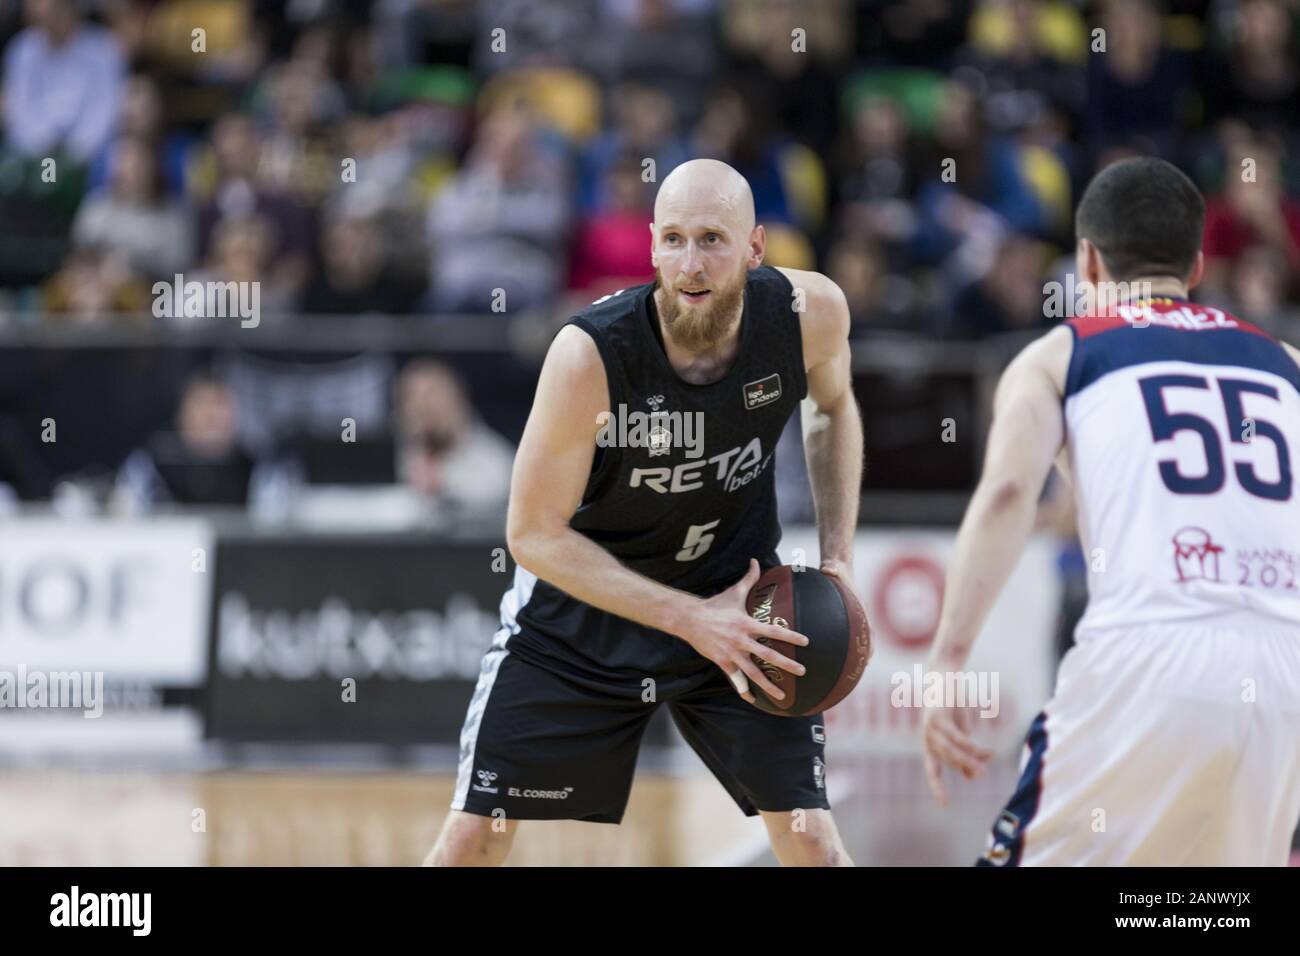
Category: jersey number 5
[1165,425]
[697,542]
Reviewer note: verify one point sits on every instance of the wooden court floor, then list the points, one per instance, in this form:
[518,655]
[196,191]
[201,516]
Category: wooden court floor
[254,818]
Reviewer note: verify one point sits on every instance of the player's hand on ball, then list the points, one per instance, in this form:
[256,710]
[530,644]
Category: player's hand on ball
[946,739]
[844,572]
[724,632]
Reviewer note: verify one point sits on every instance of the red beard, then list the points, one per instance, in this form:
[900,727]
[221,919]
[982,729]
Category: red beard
[699,329]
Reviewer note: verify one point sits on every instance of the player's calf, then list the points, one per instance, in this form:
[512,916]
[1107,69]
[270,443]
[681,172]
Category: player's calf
[805,838]
[468,839]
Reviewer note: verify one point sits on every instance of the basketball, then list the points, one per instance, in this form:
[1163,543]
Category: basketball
[821,608]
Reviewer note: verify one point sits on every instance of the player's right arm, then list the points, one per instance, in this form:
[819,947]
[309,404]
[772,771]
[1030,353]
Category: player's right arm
[1026,437]
[550,475]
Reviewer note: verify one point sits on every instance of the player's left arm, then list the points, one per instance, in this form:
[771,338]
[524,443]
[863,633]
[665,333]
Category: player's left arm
[1027,433]
[832,426]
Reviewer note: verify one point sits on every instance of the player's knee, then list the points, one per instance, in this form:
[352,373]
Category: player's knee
[807,840]
[468,839]
[812,849]
[820,850]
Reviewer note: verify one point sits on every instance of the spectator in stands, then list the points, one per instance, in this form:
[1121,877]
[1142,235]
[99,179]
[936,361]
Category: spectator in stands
[1030,54]
[977,192]
[612,249]
[445,453]
[199,462]
[141,117]
[133,216]
[1137,88]
[241,252]
[501,223]
[233,45]
[541,32]
[1008,298]
[412,32]
[875,171]
[394,166]
[644,125]
[1252,209]
[798,88]
[638,37]
[354,276]
[1256,79]
[92,284]
[910,33]
[298,155]
[736,129]
[879,299]
[62,83]
[231,189]
[1257,289]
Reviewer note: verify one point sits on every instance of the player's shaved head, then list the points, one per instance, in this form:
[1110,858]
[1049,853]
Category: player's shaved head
[707,187]
[704,243]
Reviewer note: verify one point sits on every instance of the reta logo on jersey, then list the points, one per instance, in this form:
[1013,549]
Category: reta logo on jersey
[736,468]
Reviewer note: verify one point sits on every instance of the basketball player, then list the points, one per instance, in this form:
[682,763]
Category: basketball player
[1173,737]
[634,562]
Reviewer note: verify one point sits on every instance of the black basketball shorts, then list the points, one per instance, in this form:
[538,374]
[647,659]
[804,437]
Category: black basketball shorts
[543,740]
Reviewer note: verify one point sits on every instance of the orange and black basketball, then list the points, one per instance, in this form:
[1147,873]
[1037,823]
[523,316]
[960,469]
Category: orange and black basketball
[825,611]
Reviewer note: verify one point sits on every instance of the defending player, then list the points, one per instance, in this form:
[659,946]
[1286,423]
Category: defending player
[1173,737]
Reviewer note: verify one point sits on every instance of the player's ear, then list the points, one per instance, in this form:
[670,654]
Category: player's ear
[653,260]
[1198,271]
[757,247]
[1088,262]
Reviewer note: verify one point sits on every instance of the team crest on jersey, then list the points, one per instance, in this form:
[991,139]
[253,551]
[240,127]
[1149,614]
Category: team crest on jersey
[765,391]
[1196,556]
[660,439]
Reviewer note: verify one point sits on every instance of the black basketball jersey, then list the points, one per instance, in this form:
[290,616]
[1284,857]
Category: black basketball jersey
[682,488]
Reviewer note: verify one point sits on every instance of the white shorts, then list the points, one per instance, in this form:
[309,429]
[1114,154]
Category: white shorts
[1163,746]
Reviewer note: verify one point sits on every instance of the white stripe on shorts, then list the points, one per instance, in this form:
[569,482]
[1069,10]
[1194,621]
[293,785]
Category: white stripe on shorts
[513,600]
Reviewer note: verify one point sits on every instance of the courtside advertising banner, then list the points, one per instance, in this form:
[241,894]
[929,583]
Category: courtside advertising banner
[338,638]
[900,578]
[128,598]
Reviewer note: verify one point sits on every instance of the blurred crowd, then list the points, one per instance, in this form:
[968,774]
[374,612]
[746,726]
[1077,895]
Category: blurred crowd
[432,158]
[417,156]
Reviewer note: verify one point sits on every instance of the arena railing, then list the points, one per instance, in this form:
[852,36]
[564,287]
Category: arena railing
[905,383]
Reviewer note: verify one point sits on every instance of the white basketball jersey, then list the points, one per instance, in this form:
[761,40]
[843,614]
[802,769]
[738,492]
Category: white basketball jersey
[1184,430]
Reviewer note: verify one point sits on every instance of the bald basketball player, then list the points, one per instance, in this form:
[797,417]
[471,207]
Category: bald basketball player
[635,554]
